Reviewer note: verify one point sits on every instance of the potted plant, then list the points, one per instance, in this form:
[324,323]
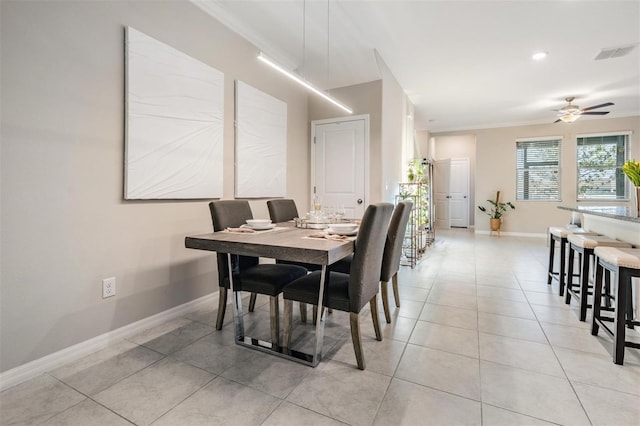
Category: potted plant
[416,170]
[631,169]
[496,211]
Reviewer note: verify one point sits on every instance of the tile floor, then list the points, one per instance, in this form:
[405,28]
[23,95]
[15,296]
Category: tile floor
[479,339]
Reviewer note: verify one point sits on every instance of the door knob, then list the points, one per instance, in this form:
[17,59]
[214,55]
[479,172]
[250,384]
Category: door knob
[359,201]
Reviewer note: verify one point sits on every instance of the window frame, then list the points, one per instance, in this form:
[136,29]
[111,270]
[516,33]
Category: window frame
[627,151]
[559,140]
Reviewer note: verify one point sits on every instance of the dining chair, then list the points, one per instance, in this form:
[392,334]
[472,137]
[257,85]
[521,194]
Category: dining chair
[348,292]
[248,274]
[390,257]
[284,210]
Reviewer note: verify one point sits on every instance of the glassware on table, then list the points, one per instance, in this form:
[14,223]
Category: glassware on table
[317,203]
[339,212]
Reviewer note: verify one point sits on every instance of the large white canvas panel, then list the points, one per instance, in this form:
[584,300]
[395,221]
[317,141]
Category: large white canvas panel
[174,112]
[261,144]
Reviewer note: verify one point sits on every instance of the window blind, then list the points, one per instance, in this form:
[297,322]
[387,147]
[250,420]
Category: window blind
[599,160]
[538,170]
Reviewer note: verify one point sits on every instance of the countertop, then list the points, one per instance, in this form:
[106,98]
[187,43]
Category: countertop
[612,212]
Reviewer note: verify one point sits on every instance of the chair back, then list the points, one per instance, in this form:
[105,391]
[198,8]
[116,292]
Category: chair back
[395,236]
[282,210]
[230,214]
[364,278]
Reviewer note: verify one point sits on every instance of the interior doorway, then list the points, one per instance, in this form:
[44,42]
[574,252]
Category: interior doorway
[451,184]
[340,163]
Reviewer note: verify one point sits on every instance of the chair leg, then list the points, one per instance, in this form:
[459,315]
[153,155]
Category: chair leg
[222,307]
[584,285]
[275,321]
[315,314]
[303,312]
[252,302]
[597,299]
[357,340]
[552,247]
[396,295]
[572,255]
[373,303]
[561,276]
[287,322]
[385,300]
[620,315]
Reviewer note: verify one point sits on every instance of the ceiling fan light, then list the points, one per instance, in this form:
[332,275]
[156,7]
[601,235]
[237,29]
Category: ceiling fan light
[569,118]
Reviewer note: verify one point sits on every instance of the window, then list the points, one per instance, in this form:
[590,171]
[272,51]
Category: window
[538,169]
[600,159]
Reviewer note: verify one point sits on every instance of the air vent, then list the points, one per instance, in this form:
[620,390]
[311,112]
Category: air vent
[615,52]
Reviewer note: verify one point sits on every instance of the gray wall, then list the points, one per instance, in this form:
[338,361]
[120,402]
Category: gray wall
[64,223]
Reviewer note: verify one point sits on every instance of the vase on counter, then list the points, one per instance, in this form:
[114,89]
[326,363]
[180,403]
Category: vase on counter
[637,188]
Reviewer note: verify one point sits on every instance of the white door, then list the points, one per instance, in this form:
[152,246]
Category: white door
[442,172]
[459,193]
[339,158]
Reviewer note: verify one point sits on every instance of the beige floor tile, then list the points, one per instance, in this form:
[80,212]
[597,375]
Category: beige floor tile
[145,396]
[86,413]
[451,339]
[380,357]
[342,392]
[166,341]
[537,395]
[445,371]
[453,299]
[410,404]
[273,375]
[607,407]
[518,328]
[532,356]
[447,315]
[494,416]
[36,400]
[288,414]
[221,402]
[560,316]
[505,307]
[599,370]
[579,339]
[104,368]
[513,294]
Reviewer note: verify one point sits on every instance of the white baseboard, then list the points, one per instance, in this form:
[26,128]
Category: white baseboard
[512,234]
[50,362]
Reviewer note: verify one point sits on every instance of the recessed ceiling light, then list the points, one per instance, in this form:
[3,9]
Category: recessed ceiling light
[539,56]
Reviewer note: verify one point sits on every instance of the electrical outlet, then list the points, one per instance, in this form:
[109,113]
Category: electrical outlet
[108,287]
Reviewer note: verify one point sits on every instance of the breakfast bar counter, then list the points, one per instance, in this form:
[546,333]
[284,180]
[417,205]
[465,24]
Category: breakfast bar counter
[617,222]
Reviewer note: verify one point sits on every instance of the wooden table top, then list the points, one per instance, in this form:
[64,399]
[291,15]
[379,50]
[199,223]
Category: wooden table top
[285,242]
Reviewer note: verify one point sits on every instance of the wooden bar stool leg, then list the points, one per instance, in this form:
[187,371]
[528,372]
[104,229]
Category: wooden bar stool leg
[584,284]
[572,255]
[597,290]
[620,314]
[552,246]
[563,250]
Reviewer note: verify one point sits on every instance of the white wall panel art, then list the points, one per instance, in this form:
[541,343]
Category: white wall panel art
[261,144]
[174,112]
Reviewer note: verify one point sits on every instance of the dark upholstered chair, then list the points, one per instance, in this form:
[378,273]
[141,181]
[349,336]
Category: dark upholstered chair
[248,273]
[348,292]
[282,210]
[391,256]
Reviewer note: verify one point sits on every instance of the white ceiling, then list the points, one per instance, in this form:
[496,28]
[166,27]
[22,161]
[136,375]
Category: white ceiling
[463,64]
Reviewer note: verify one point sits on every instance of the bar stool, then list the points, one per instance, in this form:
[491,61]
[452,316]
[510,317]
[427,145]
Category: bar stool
[560,234]
[585,245]
[625,263]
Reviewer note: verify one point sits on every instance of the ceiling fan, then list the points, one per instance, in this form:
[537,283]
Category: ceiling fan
[570,112]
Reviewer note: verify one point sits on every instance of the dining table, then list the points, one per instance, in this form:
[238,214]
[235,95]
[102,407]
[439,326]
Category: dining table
[283,242]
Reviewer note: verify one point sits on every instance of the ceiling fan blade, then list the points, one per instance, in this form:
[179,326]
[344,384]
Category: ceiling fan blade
[598,106]
[557,121]
[595,113]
